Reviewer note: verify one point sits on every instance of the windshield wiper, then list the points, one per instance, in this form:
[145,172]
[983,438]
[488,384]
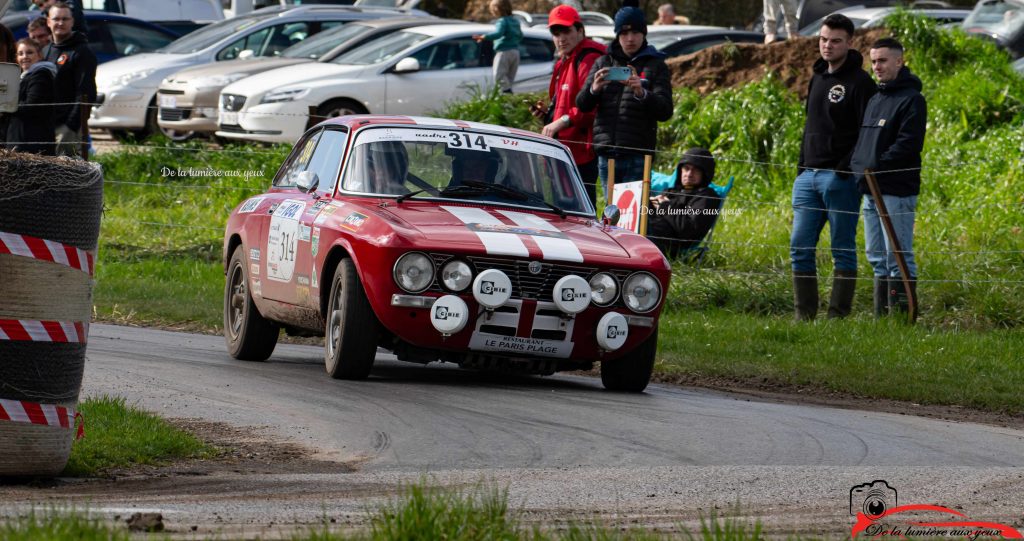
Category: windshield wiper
[515,193]
[403,197]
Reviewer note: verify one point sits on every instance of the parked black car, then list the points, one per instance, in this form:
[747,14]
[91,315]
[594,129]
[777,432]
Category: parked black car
[110,35]
[1001,21]
[691,43]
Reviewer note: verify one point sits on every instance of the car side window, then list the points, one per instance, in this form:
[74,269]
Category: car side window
[298,161]
[252,42]
[99,39]
[131,39]
[458,53]
[536,51]
[326,159]
[283,36]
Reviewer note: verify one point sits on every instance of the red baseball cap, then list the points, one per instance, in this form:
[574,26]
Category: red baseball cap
[564,15]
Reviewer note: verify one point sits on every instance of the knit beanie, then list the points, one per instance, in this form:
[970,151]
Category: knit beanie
[630,18]
[700,158]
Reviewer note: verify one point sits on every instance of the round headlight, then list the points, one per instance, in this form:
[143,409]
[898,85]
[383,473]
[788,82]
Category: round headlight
[603,289]
[414,272]
[456,275]
[641,292]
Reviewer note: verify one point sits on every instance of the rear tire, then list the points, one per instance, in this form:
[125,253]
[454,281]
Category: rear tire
[249,336]
[350,343]
[632,372]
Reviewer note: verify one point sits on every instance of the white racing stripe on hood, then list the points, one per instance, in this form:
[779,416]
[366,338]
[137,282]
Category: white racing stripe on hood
[552,248]
[494,243]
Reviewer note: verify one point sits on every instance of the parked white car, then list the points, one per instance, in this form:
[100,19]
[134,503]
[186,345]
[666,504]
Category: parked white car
[127,86]
[414,71]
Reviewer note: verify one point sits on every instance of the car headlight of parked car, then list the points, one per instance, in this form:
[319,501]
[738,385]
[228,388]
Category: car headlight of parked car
[414,272]
[604,289]
[641,292]
[456,275]
[217,81]
[277,96]
[128,78]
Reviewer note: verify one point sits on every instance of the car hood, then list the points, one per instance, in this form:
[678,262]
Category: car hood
[159,65]
[248,66]
[505,231]
[297,75]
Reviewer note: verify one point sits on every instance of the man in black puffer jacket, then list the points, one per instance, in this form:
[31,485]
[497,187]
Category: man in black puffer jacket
[891,140]
[628,112]
[76,76]
[683,216]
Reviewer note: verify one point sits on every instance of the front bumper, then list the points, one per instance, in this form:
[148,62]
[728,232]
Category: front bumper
[282,122]
[184,108]
[123,108]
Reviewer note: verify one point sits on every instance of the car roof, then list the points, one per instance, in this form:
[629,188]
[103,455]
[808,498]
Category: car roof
[18,18]
[356,122]
[435,30]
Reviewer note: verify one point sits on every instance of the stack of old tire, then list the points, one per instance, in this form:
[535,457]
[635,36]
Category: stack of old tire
[49,226]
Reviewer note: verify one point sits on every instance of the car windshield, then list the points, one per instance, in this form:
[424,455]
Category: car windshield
[448,164]
[381,49]
[1000,17]
[320,44]
[207,36]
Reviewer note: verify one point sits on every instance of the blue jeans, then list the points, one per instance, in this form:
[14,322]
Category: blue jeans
[821,197]
[879,248]
[627,168]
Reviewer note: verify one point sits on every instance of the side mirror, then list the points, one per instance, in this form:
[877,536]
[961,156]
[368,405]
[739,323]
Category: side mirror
[407,65]
[611,215]
[248,53]
[307,181]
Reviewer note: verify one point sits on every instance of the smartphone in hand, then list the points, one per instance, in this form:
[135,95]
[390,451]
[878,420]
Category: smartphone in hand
[618,73]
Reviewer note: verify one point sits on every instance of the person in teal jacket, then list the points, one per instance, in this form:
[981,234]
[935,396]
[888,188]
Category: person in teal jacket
[506,37]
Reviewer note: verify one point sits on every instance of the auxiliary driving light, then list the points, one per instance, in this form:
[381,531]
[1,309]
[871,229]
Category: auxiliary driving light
[571,294]
[492,288]
[449,314]
[612,331]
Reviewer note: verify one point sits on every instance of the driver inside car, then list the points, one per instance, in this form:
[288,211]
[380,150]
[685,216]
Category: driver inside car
[387,165]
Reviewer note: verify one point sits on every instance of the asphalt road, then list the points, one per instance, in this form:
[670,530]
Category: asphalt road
[563,446]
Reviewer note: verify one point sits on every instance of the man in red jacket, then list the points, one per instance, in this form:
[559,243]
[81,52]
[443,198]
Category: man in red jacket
[563,121]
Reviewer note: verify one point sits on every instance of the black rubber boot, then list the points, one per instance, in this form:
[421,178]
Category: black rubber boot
[898,300]
[844,285]
[881,296]
[805,296]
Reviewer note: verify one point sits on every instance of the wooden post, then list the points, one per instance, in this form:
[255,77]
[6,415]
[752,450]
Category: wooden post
[84,110]
[645,198]
[610,181]
[901,261]
[313,118]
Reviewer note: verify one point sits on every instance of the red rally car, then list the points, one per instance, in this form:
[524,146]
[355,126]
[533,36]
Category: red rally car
[440,240]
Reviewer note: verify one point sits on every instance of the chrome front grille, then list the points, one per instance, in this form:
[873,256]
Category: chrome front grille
[525,284]
[174,114]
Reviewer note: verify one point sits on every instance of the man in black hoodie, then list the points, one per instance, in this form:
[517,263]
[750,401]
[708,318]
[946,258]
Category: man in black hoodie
[824,190]
[890,143]
[628,112]
[682,217]
[76,76]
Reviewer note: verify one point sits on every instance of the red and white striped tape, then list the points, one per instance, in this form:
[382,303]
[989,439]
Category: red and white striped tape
[40,414]
[31,330]
[47,250]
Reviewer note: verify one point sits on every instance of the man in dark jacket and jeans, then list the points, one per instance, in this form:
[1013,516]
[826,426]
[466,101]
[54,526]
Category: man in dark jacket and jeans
[76,76]
[825,191]
[890,143]
[628,112]
[682,217]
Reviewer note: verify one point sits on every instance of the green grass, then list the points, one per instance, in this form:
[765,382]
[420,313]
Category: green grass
[119,435]
[422,512]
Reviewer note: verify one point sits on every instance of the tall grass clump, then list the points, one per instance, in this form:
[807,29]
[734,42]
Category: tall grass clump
[60,525]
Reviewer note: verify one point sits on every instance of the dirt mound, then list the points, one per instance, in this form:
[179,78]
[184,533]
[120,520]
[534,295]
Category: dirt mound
[730,65]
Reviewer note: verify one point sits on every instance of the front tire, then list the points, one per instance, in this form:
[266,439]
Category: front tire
[632,372]
[350,344]
[249,336]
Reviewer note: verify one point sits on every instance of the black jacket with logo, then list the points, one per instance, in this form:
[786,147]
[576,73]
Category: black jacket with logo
[835,108]
[76,76]
[622,119]
[892,136]
[31,127]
